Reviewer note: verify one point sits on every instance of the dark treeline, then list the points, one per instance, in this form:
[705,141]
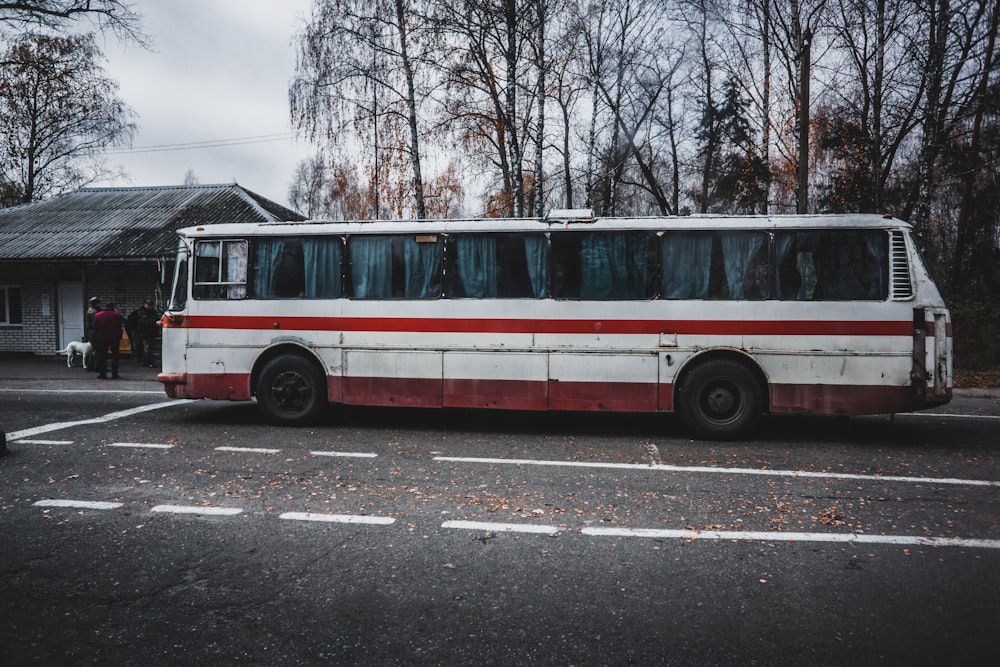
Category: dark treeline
[435,108]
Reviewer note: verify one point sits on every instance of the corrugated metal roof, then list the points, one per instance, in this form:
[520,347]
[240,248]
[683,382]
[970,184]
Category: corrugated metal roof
[125,223]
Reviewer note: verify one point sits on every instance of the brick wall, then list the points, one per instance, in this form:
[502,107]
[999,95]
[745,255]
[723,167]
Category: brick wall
[37,332]
[126,285]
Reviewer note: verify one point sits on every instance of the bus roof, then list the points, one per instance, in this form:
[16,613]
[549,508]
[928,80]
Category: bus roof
[691,222]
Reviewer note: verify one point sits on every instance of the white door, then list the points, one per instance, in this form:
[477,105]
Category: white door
[71,313]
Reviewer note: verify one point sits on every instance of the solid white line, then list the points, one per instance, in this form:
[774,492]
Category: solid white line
[501,527]
[944,414]
[725,471]
[80,391]
[248,450]
[111,416]
[143,445]
[338,518]
[189,509]
[45,442]
[777,536]
[79,504]
[358,455]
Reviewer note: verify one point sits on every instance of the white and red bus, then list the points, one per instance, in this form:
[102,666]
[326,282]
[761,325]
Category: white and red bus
[719,318]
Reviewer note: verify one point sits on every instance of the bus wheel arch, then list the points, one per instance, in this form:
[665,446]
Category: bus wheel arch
[290,384]
[721,393]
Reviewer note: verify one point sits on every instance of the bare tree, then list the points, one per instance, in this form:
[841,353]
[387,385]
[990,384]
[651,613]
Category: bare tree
[58,112]
[357,80]
[116,16]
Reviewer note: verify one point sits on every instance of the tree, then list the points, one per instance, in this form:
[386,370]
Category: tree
[58,112]
[116,16]
[631,67]
[357,80]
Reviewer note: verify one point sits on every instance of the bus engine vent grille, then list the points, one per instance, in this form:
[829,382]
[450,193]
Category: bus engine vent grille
[902,287]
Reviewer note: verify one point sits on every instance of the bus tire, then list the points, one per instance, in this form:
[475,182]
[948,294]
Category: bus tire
[719,399]
[291,390]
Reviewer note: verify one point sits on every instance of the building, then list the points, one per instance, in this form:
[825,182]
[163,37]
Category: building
[113,243]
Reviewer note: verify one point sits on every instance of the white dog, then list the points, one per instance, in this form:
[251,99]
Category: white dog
[74,349]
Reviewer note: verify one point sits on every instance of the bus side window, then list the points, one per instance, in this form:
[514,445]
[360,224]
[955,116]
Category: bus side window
[507,266]
[220,270]
[603,266]
[306,267]
[401,267]
[832,265]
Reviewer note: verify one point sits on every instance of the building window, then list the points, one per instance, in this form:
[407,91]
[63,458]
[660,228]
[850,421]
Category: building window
[10,304]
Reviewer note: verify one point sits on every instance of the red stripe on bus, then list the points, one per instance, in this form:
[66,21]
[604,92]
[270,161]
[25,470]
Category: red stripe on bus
[525,326]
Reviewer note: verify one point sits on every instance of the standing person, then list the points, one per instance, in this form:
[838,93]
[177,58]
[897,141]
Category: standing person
[144,331]
[108,324]
[93,306]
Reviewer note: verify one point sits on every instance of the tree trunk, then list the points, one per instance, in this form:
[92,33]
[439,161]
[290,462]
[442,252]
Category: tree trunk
[411,108]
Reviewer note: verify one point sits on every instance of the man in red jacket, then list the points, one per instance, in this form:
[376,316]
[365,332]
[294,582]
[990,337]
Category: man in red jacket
[108,323]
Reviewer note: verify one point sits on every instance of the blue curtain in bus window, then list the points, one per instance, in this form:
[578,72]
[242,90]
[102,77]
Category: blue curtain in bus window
[267,260]
[322,267]
[422,261]
[602,262]
[787,277]
[877,244]
[477,265]
[535,252]
[639,266]
[371,267]
[614,266]
[738,251]
[687,260]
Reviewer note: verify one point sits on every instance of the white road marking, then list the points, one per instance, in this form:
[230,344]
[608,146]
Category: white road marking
[723,471]
[248,450]
[79,504]
[197,509]
[501,527]
[338,518]
[777,536]
[357,455]
[111,416]
[944,414]
[45,442]
[80,391]
[141,445]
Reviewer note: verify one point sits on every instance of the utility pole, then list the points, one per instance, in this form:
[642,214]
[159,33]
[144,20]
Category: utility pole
[805,58]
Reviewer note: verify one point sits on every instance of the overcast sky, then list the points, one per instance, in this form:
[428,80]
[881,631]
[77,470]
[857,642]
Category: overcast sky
[218,72]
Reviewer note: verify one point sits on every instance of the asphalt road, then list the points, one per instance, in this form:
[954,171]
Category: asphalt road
[136,530]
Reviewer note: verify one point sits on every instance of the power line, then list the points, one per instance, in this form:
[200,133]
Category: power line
[198,145]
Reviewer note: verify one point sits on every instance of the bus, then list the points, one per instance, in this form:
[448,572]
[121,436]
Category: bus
[719,318]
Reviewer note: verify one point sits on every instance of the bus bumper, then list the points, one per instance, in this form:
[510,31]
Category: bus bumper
[224,386]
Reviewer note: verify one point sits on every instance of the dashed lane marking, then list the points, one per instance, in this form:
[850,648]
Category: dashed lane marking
[44,442]
[654,533]
[79,504]
[248,450]
[197,509]
[357,455]
[141,445]
[777,536]
[501,527]
[338,518]
[723,471]
[111,416]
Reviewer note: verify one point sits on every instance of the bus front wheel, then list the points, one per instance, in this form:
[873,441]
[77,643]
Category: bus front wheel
[291,390]
[719,399]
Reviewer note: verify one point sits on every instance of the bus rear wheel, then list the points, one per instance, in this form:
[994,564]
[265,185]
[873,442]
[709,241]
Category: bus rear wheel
[720,399]
[291,390]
